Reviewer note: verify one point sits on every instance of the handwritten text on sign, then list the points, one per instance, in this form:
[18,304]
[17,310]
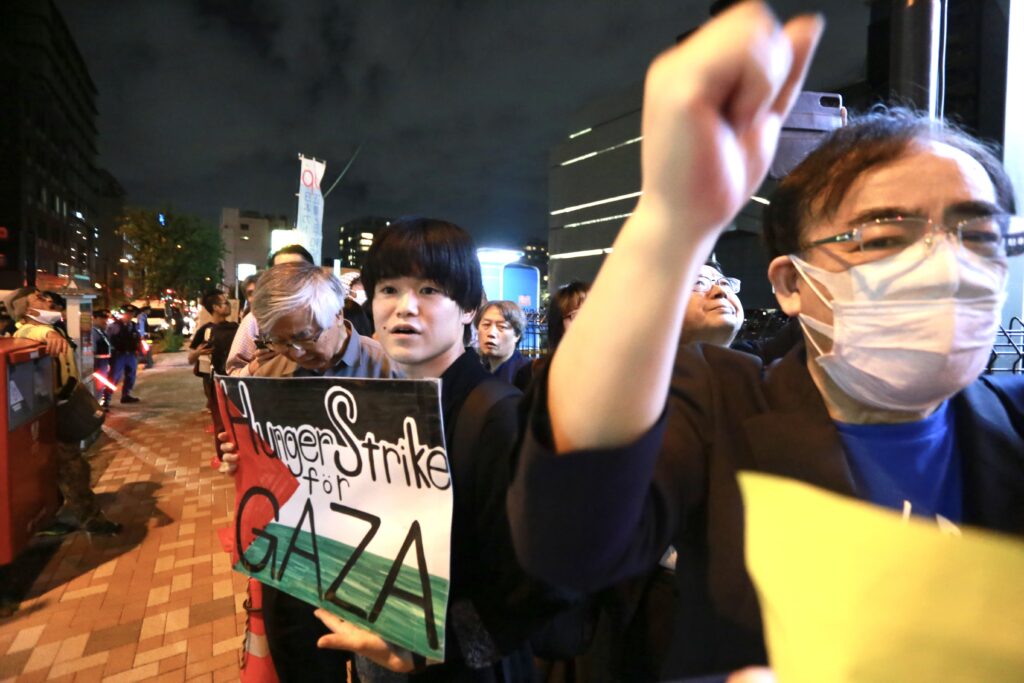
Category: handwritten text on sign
[344,498]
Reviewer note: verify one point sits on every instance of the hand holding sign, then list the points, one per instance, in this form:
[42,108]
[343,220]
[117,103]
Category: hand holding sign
[351,638]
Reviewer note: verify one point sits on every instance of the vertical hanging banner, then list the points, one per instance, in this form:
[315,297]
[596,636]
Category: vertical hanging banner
[344,498]
[309,223]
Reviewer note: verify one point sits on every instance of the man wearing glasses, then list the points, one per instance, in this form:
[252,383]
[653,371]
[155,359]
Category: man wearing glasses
[889,243]
[714,313]
[298,309]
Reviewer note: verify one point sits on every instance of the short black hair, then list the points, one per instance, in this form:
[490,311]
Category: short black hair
[101,313]
[291,249]
[818,185]
[712,262]
[210,299]
[55,299]
[430,249]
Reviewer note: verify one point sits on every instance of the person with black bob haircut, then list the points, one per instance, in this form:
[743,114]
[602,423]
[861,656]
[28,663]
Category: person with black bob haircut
[423,279]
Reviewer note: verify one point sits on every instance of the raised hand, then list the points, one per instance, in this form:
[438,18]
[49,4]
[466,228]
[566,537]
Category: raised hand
[713,109]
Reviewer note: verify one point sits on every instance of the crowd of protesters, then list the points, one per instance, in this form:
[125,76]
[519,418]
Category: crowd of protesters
[597,529]
[619,555]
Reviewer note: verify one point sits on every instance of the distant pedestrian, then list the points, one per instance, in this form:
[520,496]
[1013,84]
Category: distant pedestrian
[101,353]
[143,322]
[209,350]
[124,342]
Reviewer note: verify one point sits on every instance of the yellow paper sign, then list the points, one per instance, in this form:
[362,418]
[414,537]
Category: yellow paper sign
[853,593]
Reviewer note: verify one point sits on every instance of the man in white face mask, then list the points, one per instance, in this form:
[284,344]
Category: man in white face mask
[80,509]
[890,242]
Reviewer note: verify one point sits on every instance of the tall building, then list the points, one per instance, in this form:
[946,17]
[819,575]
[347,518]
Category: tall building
[355,238]
[111,263]
[535,253]
[593,184]
[48,177]
[247,241]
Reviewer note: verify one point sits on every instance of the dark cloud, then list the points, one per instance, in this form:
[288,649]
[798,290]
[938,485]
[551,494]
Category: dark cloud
[205,104]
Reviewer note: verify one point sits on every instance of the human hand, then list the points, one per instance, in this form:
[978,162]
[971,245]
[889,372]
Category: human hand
[347,636]
[262,356]
[56,345]
[229,454]
[713,109]
[752,674]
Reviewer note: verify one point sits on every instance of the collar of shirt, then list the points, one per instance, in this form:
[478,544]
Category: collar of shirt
[350,354]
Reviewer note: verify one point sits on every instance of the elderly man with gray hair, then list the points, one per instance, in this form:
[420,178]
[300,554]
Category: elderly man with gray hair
[298,308]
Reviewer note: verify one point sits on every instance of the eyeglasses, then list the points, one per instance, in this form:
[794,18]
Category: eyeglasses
[300,343]
[993,236]
[704,284]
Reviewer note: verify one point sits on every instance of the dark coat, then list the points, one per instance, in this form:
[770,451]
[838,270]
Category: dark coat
[588,520]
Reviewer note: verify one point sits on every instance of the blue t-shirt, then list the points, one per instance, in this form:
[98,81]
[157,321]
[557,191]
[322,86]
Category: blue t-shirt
[912,461]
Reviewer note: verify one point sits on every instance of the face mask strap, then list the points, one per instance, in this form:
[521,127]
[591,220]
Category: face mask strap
[800,265]
[807,333]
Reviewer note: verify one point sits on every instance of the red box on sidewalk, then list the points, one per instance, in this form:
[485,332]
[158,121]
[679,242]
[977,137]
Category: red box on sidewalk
[28,467]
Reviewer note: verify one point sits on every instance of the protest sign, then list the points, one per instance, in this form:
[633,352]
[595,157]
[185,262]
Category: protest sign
[853,593]
[344,498]
[309,221]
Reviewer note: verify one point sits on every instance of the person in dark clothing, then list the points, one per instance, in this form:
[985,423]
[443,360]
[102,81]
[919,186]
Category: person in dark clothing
[124,341]
[500,326]
[774,347]
[101,353]
[209,351]
[424,281]
[889,243]
[561,312]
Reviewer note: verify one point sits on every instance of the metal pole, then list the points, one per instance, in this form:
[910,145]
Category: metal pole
[918,48]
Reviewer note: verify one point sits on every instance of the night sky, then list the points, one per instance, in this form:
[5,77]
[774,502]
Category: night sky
[205,104]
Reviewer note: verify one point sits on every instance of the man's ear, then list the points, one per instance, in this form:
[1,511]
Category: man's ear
[785,280]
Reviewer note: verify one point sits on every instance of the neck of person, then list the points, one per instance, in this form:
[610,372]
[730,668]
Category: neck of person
[713,336]
[341,345]
[494,362]
[436,366]
[218,318]
[844,408]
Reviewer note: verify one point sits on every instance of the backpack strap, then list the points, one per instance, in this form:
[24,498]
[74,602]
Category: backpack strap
[477,405]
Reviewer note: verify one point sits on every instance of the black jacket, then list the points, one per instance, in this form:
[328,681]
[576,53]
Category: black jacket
[588,520]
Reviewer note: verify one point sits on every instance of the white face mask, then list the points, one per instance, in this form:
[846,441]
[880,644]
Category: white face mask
[910,330]
[359,296]
[45,317]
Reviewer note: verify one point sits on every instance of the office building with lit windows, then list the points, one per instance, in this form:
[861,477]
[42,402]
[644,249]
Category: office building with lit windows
[355,238]
[52,195]
[594,184]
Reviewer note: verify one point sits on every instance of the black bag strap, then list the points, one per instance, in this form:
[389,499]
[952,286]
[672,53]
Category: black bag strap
[478,404]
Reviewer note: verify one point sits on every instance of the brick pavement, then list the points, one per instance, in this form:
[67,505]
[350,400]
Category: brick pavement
[159,602]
